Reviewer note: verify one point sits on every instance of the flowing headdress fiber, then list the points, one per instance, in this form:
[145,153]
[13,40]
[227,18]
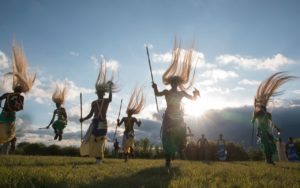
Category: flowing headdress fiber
[136,102]
[180,71]
[21,78]
[268,87]
[103,83]
[59,94]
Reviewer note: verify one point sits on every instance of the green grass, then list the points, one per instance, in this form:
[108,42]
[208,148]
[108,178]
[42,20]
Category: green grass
[33,171]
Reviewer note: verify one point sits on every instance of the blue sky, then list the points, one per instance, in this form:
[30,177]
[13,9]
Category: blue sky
[239,43]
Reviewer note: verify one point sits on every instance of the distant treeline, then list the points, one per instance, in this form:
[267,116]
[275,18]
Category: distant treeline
[144,149]
[25,148]
[235,152]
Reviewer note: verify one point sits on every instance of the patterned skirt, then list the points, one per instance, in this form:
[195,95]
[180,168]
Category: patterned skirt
[222,153]
[173,134]
[128,141]
[59,125]
[7,126]
[94,141]
[268,144]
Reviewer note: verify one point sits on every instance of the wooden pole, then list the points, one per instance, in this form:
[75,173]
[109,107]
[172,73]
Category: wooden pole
[81,116]
[118,118]
[149,62]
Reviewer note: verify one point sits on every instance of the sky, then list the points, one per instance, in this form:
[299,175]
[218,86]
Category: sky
[238,44]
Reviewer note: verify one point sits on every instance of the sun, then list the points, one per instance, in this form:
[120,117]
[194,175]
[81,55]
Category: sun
[193,108]
[203,104]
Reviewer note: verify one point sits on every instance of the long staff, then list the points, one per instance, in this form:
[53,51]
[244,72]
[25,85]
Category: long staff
[118,118]
[81,116]
[151,75]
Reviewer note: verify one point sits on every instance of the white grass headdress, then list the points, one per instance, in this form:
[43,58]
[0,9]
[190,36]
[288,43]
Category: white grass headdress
[103,83]
[136,102]
[59,94]
[180,71]
[21,78]
[268,87]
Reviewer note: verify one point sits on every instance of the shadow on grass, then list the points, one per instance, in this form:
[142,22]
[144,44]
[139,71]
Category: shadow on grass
[150,177]
[46,164]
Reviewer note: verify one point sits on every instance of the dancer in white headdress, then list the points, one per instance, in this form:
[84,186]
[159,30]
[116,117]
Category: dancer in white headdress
[14,102]
[58,125]
[93,143]
[135,106]
[173,126]
[262,117]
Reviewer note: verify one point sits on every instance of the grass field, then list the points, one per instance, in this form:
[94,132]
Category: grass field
[36,171]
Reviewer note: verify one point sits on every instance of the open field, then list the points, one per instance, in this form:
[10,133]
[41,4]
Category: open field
[33,171]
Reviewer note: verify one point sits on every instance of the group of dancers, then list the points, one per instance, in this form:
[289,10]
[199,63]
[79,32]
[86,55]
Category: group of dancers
[179,75]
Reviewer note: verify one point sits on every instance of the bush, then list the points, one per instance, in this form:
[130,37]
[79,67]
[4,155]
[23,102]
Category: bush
[256,155]
[236,152]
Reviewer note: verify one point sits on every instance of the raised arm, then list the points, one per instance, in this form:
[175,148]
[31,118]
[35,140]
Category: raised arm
[138,122]
[52,120]
[158,93]
[109,99]
[193,97]
[89,115]
[119,123]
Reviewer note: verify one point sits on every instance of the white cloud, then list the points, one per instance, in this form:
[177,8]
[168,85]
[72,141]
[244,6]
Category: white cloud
[3,61]
[111,64]
[198,57]
[5,84]
[42,91]
[219,74]
[217,90]
[207,82]
[296,91]
[238,89]
[273,63]
[249,82]
[72,53]
[158,72]
[162,58]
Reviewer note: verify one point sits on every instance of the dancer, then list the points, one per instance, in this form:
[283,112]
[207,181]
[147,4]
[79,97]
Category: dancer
[58,97]
[93,144]
[116,148]
[173,126]
[222,152]
[262,117]
[14,101]
[291,151]
[281,151]
[135,105]
[203,147]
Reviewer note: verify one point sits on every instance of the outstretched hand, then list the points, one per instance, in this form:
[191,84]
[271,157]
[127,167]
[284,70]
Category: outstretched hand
[154,85]
[81,120]
[196,92]
[110,84]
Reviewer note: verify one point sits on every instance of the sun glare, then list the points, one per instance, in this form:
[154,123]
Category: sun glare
[200,106]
